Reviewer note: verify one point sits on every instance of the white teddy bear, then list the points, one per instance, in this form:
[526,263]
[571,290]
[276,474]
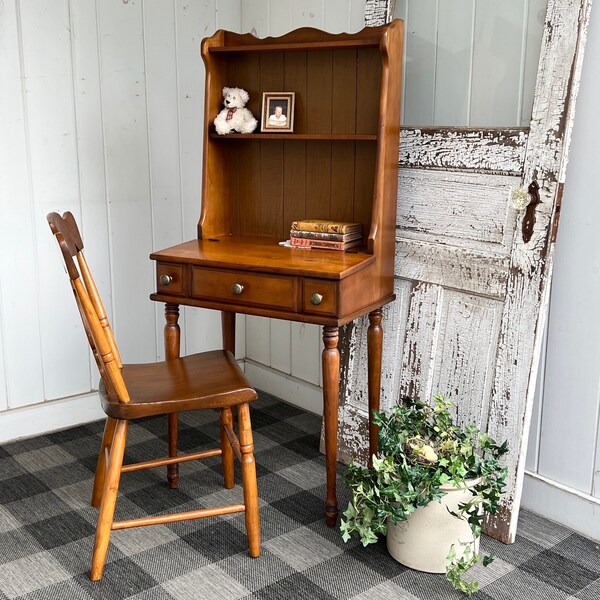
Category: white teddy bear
[234,117]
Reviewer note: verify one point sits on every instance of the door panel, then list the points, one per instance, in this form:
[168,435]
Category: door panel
[467,210]
[472,291]
[463,360]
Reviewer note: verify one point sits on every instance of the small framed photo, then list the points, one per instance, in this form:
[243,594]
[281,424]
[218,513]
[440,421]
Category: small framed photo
[278,111]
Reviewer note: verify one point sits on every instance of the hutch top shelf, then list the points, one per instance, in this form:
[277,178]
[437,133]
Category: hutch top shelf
[340,160]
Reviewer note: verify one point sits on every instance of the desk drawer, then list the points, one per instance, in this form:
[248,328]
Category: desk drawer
[239,287]
[319,297]
[169,278]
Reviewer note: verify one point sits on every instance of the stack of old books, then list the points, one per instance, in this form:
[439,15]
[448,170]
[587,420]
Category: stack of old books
[326,235]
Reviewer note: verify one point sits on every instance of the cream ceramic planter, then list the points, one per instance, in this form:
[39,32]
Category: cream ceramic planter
[423,541]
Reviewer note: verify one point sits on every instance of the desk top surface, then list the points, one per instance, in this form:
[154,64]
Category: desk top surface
[265,255]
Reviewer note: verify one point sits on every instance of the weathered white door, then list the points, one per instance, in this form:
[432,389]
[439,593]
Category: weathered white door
[472,272]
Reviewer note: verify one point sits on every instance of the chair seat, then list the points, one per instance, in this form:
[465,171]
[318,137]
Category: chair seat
[206,380]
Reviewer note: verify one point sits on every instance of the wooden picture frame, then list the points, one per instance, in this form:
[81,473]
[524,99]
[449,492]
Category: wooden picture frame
[278,112]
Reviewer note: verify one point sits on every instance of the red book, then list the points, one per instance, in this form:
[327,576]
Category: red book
[323,244]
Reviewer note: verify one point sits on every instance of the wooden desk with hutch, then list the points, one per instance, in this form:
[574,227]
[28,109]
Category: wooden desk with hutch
[340,163]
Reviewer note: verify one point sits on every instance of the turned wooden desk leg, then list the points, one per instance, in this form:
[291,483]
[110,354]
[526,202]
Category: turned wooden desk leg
[228,329]
[331,380]
[172,342]
[374,346]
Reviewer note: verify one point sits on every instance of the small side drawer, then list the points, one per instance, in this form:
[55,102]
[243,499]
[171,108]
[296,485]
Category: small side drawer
[241,287]
[172,278]
[319,296]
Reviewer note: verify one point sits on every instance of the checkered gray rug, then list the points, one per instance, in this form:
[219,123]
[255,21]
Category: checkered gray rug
[47,527]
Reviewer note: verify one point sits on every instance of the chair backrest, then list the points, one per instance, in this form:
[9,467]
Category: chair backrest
[91,309]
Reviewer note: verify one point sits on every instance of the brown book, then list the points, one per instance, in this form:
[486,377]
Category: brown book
[332,237]
[323,244]
[326,226]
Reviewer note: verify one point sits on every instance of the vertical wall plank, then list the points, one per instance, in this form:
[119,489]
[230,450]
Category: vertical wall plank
[21,324]
[294,183]
[281,345]
[250,173]
[240,336]
[228,15]
[401,12]
[255,17]
[271,173]
[368,81]
[453,65]
[344,77]
[342,170]
[497,63]
[203,330]
[308,13]
[536,15]
[364,181]
[163,137]
[356,20]
[128,176]
[89,122]
[271,197]
[3,388]
[535,429]
[295,80]
[51,130]
[258,339]
[336,16]
[318,185]
[466,72]
[319,91]
[305,358]
[420,69]
[280,17]
[193,21]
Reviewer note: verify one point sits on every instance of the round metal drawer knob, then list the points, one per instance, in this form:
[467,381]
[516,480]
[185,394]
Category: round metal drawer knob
[165,279]
[237,288]
[316,299]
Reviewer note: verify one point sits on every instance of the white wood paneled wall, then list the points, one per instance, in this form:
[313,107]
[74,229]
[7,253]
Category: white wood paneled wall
[470,62]
[100,113]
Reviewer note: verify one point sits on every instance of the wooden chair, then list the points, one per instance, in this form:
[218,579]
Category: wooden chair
[200,381]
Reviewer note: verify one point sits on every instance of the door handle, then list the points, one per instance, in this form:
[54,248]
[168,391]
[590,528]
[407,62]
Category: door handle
[529,218]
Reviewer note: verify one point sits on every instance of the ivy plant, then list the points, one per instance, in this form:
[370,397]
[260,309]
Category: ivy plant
[421,449]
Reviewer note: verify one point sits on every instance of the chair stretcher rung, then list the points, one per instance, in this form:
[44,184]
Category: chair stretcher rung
[173,518]
[161,462]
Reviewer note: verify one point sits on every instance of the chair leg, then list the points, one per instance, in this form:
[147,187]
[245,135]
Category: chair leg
[249,479]
[109,499]
[107,437]
[173,470]
[226,449]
